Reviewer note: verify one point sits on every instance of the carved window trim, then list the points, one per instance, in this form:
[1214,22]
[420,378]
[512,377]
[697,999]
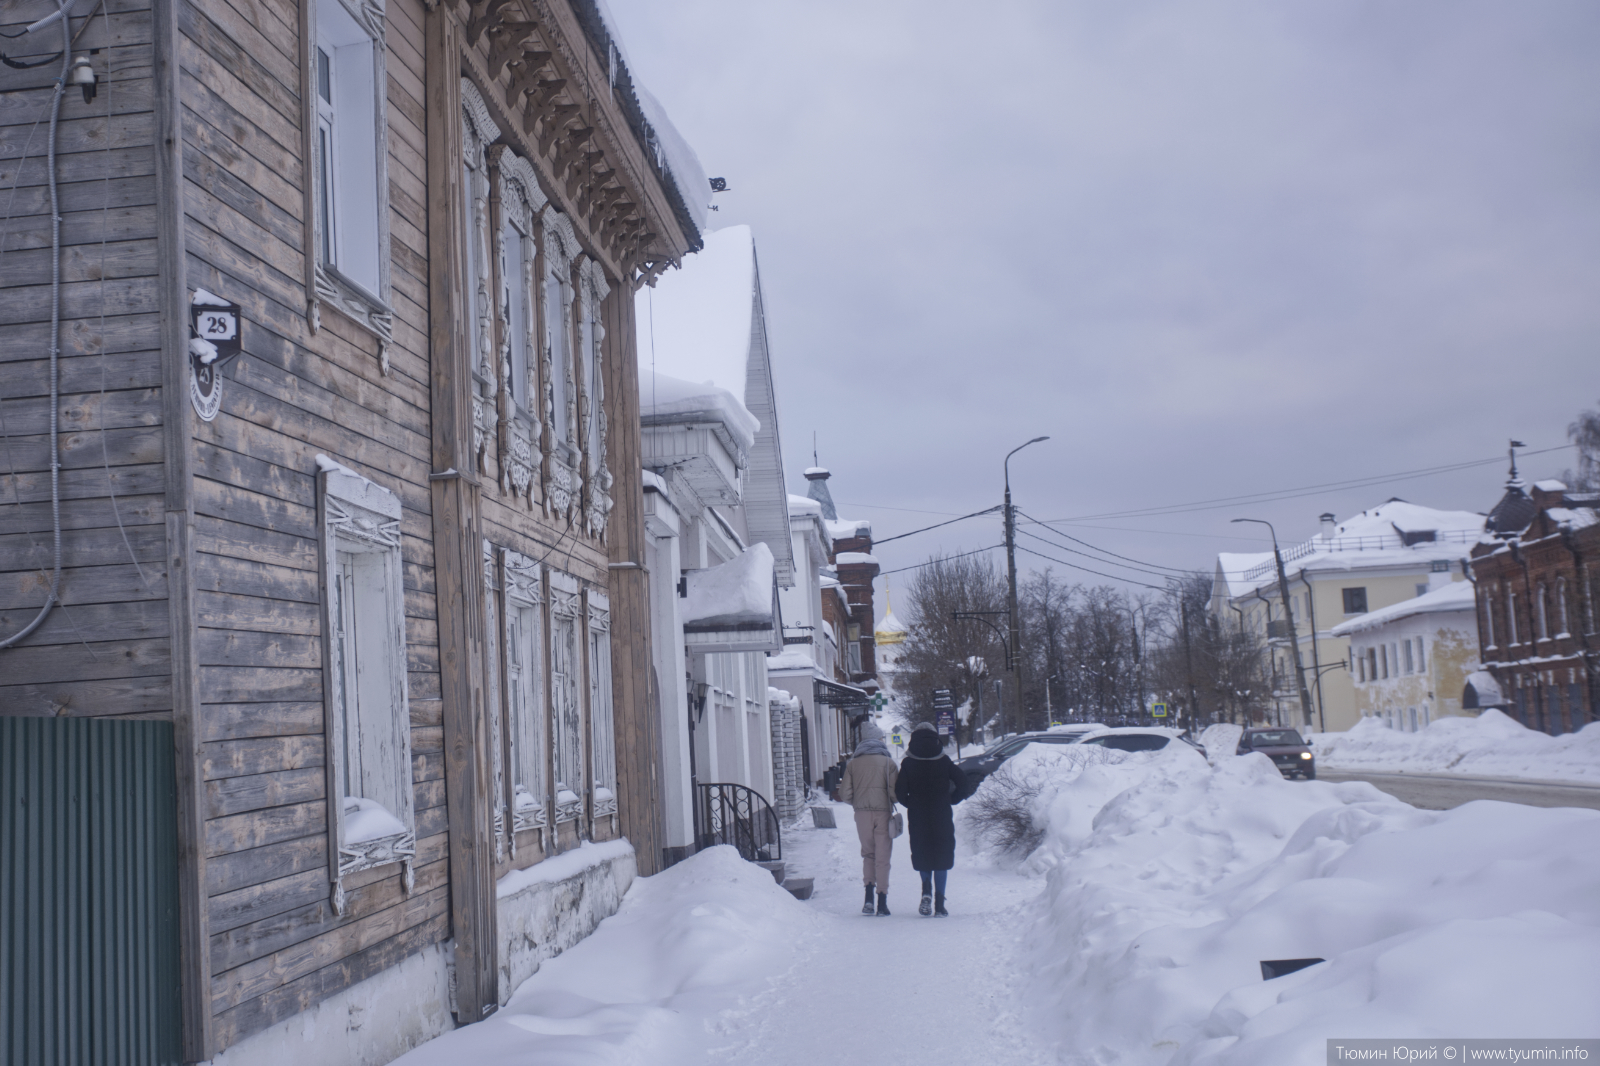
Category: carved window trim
[325,285]
[522,585]
[357,517]
[566,697]
[563,463]
[602,707]
[521,202]
[478,132]
[493,707]
[593,290]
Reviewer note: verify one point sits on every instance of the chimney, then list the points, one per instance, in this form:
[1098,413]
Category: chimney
[1330,525]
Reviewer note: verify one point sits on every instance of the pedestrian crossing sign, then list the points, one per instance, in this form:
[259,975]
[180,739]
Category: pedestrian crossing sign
[1158,710]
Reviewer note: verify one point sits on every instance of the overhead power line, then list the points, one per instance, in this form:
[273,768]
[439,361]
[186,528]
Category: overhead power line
[1091,558]
[1097,573]
[1289,494]
[940,559]
[1102,551]
[936,525]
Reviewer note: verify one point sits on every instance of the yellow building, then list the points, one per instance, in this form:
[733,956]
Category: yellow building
[1383,556]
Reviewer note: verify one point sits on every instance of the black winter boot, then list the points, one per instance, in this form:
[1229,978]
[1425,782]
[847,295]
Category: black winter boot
[866,908]
[938,906]
[883,905]
[925,908]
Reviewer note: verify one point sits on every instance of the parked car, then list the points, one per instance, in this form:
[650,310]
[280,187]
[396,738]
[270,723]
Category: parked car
[1286,748]
[1140,738]
[978,767]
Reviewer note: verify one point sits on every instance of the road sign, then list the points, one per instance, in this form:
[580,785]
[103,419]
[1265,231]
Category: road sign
[1158,710]
[946,722]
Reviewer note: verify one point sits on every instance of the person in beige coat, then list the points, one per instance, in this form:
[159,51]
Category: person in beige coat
[868,786]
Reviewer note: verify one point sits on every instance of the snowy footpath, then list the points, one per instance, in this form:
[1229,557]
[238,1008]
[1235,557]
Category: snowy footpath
[1125,927]
[711,961]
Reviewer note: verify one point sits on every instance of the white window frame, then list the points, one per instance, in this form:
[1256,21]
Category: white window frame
[591,355]
[359,547]
[517,246]
[493,655]
[353,274]
[566,700]
[527,717]
[478,131]
[564,487]
[602,708]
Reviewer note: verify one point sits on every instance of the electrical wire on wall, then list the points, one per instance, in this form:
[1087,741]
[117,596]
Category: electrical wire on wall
[55,331]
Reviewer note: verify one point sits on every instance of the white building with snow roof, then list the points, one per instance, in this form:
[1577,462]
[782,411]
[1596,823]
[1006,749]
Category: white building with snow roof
[717,518]
[1412,659]
[1382,556]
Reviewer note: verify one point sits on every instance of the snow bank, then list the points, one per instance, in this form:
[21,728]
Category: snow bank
[1491,745]
[697,941]
[1220,740]
[560,867]
[737,592]
[1169,881]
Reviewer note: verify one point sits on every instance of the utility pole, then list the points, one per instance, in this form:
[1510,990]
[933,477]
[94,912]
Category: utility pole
[1294,641]
[1188,659]
[1014,637]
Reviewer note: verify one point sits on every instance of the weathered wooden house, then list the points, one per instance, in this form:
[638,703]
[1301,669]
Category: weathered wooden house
[347,421]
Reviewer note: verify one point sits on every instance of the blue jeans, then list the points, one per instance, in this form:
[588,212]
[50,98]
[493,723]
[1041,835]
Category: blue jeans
[933,880]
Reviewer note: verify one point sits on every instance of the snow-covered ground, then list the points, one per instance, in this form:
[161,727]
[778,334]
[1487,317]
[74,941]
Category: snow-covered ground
[1170,880]
[1490,745]
[1132,934]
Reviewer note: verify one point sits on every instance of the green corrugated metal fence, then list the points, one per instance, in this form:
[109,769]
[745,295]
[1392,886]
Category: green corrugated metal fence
[88,893]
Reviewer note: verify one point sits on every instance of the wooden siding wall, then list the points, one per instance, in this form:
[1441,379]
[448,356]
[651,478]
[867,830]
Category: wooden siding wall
[276,946]
[104,650]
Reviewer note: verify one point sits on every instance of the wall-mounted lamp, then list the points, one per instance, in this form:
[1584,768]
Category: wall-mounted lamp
[81,74]
[697,696]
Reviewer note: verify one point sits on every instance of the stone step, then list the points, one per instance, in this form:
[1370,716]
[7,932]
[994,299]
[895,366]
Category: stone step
[799,887]
[775,868]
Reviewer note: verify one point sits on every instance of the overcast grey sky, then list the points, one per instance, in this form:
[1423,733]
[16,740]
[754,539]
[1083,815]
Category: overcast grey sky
[1211,248]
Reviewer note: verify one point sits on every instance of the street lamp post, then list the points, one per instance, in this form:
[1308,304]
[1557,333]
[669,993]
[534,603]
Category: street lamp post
[1288,614]
[1014,644]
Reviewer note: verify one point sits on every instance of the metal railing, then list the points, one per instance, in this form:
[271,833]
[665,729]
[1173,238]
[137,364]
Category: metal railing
[740,816]
[1382,542]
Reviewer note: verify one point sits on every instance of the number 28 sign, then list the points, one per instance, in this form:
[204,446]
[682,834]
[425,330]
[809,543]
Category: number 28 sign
[213,341]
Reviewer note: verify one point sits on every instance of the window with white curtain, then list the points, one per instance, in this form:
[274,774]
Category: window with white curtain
[601,712]
[566,707]
[367,718]
[525,700]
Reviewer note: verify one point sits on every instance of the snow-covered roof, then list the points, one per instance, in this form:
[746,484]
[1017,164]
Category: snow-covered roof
[799,505]
[738,592]
[1393,534]
[855,559]
[668,399]
[792,657]
[845,528]
[1457,596]
[891,630]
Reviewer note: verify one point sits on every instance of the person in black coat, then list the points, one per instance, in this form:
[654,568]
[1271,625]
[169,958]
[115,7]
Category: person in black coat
[929,785]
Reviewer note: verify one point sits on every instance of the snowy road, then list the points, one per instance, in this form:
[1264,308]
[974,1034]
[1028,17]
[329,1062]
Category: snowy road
[902,989]
[1441,792]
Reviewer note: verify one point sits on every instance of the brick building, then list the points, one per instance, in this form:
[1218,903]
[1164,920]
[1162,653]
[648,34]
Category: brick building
[1538,604]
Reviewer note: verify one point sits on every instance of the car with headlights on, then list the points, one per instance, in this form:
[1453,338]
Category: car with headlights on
[1286,748]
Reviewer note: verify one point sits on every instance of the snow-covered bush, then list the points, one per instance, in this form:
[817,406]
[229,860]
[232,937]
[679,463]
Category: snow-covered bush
[1009,811]
[1491,744]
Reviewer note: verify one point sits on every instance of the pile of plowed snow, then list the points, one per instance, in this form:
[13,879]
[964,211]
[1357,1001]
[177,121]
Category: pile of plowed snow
[1490,745]
[1169,881]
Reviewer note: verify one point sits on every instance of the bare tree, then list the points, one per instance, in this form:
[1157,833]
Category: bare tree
[1585,433]
[941,650]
